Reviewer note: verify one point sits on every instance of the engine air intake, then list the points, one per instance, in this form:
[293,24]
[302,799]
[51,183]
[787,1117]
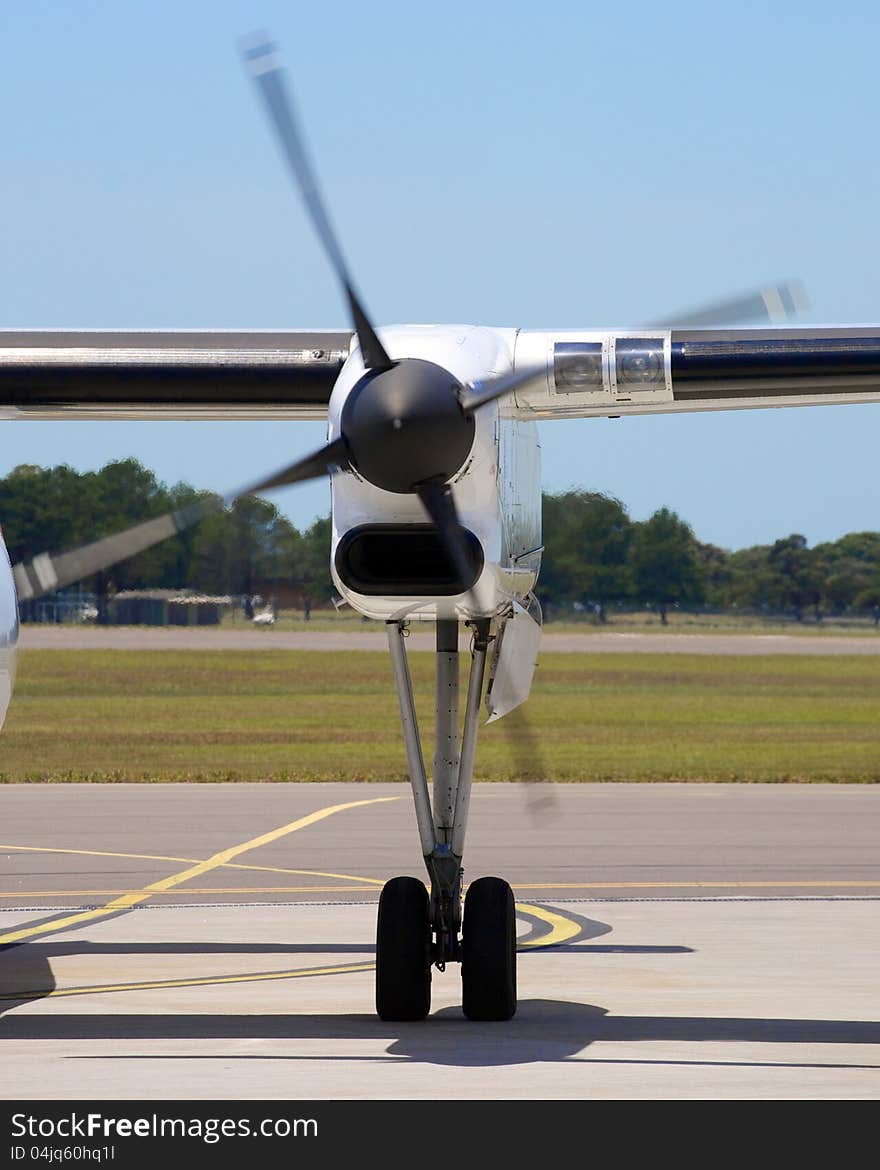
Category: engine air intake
[403,560]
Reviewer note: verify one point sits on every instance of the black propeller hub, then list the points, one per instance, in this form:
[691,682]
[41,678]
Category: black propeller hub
[404,426]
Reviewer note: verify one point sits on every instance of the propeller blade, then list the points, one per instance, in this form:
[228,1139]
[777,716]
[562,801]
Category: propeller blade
[777,302]
[46,574]
[264,63]
[476,394]
[333,456]
[440,506]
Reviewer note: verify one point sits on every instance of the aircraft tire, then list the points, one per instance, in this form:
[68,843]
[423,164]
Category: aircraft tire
[403,951]
[488,966]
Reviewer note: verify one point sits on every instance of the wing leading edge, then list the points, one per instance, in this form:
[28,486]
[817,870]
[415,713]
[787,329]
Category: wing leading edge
[169,374]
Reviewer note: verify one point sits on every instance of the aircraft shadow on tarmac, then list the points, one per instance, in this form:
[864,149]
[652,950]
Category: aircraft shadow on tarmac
[542,1030]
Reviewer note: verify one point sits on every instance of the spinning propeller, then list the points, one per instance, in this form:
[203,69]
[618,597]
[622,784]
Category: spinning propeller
[407,426]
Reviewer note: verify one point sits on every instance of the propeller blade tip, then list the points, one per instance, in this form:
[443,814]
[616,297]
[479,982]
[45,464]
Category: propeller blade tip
[799,297]
[784,301]
[259,53]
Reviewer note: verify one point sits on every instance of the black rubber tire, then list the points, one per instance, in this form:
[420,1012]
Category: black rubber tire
[488,959]
[403,951]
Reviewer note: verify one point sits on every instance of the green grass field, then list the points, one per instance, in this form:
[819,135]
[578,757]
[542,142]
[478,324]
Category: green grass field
[112,716]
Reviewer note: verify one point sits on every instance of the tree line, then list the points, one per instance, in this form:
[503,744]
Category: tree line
[239,550]
[595,555]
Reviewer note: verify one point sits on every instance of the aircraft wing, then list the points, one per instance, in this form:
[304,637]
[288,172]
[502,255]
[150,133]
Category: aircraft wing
[595,374]
[163,374]
[104,374]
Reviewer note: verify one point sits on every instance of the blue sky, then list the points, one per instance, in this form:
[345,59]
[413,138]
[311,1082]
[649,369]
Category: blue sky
[562,165]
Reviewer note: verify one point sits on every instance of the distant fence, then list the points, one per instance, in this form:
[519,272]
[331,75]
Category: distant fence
[153,611]
[56,610]
[147,608]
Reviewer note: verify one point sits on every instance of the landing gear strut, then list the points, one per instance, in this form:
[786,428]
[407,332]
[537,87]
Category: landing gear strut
[415,930]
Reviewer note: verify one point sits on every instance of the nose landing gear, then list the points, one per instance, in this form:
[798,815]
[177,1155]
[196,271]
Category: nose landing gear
[416,930]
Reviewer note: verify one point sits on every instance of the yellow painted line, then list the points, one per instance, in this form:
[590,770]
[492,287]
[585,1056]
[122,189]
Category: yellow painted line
[159,984]
[562,928]
[361,881]
[361,889]
[95,853]
[343,877]
[347,877]
[127,901]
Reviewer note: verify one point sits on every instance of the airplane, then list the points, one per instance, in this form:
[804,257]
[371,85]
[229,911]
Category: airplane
[434,462]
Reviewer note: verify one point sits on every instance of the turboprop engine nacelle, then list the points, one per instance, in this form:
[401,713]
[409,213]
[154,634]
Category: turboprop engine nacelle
[386,558]
[8,630]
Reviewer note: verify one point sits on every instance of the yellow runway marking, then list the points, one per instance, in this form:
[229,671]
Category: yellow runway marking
[127,901]
[346,877]
[562,928]
[358,879]
[95,853]
[160,984]
[353,889]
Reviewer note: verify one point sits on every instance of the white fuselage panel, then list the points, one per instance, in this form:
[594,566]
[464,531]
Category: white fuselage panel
[497,492]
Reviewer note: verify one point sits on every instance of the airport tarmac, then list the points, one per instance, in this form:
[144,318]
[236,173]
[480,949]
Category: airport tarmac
[216,942]
[81,637]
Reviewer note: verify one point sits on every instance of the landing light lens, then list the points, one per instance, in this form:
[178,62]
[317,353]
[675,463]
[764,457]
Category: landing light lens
[577,366]
[639,361]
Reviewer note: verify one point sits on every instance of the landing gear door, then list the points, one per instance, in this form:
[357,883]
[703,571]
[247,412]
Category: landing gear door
[513,662]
